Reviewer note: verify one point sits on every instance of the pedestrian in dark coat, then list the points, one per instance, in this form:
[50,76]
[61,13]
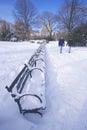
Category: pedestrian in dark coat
[61,44]
[69,43]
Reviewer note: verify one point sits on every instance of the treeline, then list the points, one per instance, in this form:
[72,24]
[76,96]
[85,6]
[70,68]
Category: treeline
[69,22]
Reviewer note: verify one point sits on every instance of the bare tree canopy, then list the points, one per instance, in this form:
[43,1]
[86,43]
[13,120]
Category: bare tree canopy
[72,13]
[25,13]
[48,20]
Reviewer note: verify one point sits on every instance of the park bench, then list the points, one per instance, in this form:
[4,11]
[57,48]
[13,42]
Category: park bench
[28,88]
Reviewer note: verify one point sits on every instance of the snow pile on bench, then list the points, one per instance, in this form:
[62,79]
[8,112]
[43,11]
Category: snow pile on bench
[28,89]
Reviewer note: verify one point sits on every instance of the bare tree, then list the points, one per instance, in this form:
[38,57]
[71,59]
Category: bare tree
[19,31]
[47,19]
[72,13]
[4,30]
[79,35]
[25,13]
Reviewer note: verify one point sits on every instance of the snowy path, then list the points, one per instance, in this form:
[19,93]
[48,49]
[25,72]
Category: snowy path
[66,88]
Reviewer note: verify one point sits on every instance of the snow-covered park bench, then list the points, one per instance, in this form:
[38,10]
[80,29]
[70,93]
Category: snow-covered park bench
[28,88]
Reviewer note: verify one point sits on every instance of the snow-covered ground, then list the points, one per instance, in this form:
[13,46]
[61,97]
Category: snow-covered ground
[66,88]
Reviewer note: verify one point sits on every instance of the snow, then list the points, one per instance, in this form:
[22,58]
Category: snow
[66,87]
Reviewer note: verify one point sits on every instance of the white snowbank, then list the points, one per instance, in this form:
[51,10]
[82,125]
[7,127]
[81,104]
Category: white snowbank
[66,88]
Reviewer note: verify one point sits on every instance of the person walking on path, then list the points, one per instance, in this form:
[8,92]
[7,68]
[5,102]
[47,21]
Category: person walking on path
[61,44]
[69,43]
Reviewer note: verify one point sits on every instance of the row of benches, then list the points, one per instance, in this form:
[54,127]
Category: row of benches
[28,88]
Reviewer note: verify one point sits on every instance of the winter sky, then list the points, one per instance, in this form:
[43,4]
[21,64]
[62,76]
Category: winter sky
[7,6]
